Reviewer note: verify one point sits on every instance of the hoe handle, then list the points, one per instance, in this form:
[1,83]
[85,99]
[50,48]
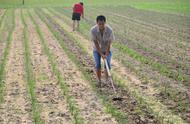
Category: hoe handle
[107,68]
[109,74]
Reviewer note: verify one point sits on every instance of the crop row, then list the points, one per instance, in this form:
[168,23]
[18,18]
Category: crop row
[4,58]
[73,108]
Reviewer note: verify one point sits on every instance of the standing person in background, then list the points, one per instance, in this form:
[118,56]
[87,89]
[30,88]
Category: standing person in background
[78,11]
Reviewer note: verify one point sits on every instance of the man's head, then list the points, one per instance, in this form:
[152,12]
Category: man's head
[101,21]
[81,3]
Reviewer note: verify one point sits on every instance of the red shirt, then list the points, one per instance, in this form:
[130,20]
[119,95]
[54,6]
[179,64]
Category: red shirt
[78,8]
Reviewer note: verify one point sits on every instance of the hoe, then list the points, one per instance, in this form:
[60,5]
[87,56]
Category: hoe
[110,80]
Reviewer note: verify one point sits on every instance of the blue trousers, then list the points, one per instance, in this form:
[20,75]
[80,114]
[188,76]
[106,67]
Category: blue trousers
[97,58]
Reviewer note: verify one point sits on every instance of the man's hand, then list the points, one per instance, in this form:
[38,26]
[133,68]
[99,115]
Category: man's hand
[104,56]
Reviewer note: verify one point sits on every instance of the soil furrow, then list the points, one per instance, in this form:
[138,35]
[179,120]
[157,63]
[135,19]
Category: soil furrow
[90,107]
[53,107]
[16,107]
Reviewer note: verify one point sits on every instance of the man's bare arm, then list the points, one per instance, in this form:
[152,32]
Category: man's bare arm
[108,49]
[98,48]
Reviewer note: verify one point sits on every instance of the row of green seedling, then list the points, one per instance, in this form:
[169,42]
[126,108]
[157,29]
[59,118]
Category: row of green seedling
[30,78]
[11,16]
[70,100]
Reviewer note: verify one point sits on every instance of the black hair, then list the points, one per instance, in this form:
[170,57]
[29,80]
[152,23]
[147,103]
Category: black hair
[101,18]
[81,3]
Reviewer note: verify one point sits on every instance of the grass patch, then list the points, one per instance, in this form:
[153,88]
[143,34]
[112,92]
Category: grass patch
[173,6]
